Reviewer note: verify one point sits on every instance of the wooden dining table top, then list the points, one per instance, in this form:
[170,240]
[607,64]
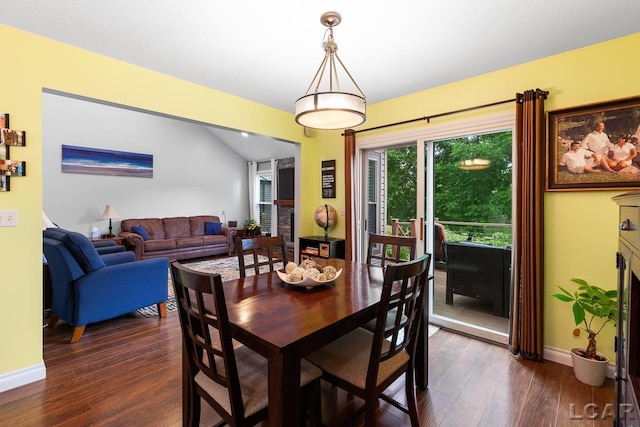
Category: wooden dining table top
[278,315]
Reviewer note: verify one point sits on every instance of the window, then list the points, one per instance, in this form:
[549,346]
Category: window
[264,202]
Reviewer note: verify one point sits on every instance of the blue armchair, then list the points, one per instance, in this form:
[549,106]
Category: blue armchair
[107,247]
[88,287]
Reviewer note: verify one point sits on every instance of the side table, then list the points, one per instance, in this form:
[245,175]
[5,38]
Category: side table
[117,239]
[318,246]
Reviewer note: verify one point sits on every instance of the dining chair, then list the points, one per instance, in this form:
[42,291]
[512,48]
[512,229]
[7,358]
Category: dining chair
[233,381]
[365,363]
[383,249]
[264,251]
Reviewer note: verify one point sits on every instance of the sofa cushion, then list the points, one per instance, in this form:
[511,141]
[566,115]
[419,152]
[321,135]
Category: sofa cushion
[159,245]
[215,239]
[176,227]
[138,229]
[188,242]
[212,227]
[197,223]
[153,226]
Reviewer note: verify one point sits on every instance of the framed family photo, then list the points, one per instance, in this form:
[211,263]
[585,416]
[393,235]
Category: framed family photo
[594,147]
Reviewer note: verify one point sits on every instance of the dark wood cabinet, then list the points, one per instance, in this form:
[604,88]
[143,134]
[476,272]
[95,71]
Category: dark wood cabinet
[627,344]
[318,246]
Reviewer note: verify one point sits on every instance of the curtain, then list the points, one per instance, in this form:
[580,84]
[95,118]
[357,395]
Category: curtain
[525,335]
[253,190]
[349,199]
[274,196]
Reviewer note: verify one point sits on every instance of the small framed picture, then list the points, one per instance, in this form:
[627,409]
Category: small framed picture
[4,120]
[594,147]
[13,137]
[13,167]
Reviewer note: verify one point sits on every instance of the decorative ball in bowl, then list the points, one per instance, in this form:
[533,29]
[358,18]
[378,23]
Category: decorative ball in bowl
[312,275]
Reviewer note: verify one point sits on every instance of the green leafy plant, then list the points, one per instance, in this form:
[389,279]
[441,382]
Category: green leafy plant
[251,224]
[591,302]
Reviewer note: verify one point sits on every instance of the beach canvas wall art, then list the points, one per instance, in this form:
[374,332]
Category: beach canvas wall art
[96,161]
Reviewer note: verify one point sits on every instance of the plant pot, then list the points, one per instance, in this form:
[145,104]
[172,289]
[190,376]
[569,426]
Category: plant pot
[592,372]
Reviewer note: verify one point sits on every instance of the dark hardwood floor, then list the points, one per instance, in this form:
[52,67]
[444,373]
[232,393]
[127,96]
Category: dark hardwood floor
[126,372]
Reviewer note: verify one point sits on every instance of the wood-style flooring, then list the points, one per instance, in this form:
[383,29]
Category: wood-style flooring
[126,372]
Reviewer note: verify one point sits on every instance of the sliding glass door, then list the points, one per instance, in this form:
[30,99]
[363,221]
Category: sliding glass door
[451,189]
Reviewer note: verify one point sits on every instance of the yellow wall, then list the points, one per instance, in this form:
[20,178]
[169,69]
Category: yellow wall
[33,63]
[581,227]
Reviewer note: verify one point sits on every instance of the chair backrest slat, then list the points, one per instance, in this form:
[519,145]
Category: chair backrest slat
[383,249]
[264,251]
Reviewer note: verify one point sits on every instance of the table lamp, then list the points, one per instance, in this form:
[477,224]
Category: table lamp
[110,212]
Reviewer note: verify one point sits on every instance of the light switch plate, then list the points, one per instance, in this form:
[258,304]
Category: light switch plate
[8,217]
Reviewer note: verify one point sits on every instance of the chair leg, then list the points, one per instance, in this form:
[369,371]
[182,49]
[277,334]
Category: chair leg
[411,397]
[196,407]
[162,309]
[312,401]
[77,333]
[370,407]
[52,320]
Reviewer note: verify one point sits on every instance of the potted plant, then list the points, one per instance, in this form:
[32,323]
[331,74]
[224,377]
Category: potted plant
[594,308]
[252,228]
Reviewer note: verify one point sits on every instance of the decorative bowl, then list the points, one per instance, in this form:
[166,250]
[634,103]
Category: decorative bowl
[307,282]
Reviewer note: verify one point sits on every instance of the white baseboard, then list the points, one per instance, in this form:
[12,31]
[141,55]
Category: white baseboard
[22,377]
[564,358]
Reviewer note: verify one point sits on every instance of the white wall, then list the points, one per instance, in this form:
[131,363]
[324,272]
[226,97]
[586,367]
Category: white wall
[193,172]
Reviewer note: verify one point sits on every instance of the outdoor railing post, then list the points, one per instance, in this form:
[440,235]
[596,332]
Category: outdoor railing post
[395,226]
[412,227]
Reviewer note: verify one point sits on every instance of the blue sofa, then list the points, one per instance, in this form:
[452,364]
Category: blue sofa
[88,287]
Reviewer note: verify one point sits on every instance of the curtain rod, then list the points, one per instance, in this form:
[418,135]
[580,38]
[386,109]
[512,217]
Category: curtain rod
[428,118]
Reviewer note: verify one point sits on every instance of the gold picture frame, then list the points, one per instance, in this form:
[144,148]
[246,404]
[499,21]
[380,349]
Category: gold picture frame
[580,124]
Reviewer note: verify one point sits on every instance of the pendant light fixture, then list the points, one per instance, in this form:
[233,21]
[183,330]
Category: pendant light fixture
[332,108]
[474,164]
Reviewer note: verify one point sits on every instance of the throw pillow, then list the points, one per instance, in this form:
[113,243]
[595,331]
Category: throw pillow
[212,227]
[138,229]
[83,251]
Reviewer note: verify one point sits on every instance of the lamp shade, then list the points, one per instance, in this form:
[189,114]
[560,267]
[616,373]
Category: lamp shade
[474,164]
[46,222]
[330,110]
[110,212]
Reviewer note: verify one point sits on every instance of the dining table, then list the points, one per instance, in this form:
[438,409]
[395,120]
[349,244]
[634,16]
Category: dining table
[284,323]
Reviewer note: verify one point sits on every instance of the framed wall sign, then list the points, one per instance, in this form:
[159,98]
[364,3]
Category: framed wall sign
[328,179]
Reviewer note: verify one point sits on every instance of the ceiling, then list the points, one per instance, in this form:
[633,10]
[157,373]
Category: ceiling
[268,52]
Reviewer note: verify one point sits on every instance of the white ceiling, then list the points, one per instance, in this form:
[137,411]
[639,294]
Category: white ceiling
[269,51]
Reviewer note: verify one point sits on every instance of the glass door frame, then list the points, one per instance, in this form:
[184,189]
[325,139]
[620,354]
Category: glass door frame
[423,138]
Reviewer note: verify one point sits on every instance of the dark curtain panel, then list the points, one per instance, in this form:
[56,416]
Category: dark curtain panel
[525,337]
[349,169]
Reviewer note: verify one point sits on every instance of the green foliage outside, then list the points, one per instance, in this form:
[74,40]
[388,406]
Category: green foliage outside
[480,196]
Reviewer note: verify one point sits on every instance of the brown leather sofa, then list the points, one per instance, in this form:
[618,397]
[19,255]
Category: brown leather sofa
[177,237]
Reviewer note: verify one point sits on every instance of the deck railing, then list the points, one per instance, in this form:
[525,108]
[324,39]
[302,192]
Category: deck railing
[496,234]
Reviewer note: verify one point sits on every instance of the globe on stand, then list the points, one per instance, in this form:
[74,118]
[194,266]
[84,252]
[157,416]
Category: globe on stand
[325,216]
